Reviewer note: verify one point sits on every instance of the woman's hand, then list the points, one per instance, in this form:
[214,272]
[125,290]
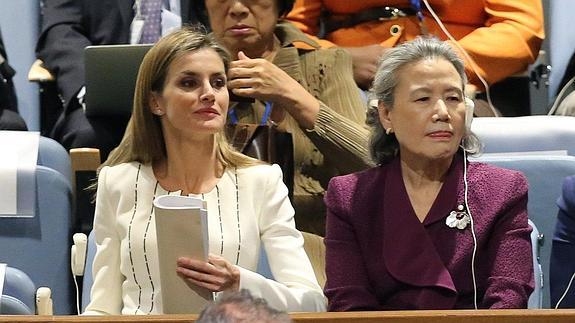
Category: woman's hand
[365,61]
[216,275]
[260,79]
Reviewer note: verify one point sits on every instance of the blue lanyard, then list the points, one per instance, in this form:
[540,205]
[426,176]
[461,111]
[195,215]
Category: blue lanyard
[416,5]
[268,110]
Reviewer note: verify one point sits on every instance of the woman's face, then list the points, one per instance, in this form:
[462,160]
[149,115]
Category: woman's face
[246,25]
[194,100]
[428,115]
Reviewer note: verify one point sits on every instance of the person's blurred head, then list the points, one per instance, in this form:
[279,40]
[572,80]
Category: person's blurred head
[241,307]
[419,88]
[245,25]
[182,73]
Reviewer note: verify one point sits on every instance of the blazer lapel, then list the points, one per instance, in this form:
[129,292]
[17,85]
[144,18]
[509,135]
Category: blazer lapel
[449,196]
[410,255]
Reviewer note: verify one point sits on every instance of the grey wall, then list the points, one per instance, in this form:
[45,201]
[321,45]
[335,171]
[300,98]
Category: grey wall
[19,24]
[560,38]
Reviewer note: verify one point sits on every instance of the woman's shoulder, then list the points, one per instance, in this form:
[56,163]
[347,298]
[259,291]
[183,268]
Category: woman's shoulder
[494,177]
[122,169]
[124,173]
[361,179]
[260,172]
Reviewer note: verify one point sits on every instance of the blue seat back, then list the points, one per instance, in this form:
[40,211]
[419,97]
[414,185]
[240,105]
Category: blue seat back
[545,175]
[52,155]
[18,296]
[40,245]
[526,134]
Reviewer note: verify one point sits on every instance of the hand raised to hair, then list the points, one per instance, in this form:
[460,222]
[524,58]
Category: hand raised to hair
[365,61]
[216,275]
[260,79]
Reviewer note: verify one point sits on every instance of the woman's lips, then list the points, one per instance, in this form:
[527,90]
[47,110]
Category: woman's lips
[440,134]
[240,30]
[208,112]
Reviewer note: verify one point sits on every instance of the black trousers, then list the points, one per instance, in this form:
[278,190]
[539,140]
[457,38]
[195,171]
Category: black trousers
[75,130]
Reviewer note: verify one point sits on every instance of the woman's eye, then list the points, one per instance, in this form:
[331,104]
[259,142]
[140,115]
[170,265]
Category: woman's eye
[422,99]
[188,83]
[454,98]
[219,83]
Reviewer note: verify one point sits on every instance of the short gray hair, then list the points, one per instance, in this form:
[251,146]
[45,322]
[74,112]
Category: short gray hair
[241,307]
[383,147]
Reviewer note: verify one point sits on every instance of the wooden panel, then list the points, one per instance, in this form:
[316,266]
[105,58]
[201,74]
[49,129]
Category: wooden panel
[460,316]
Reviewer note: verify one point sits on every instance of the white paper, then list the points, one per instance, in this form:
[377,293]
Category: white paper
[181,231]
[8,188]
[19,150]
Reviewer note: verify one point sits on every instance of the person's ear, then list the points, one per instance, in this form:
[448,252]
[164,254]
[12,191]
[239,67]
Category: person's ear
[154,104]
[384,115]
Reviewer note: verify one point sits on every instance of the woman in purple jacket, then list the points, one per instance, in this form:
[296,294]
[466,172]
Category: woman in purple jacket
[426,229]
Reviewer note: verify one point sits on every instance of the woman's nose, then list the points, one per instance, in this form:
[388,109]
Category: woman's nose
[238,9]
[207,92]
[441,112]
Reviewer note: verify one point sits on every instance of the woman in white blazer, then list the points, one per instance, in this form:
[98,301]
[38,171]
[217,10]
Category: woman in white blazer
[175,144]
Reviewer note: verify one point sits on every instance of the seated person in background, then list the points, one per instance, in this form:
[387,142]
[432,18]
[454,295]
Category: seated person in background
[9,117]
[566,91]
[501,36]
[310,92]
[402,235]
[562,266]
[175,144]
[241,307]
[68,26]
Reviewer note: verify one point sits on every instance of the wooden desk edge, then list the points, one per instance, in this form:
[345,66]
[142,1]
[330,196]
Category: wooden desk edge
[464,316]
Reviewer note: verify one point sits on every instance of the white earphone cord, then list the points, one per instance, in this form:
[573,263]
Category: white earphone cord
[467,57]
[565,292]
[472,228]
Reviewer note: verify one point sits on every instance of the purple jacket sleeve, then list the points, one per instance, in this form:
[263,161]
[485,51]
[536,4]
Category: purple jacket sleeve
[347,287]
[509,256]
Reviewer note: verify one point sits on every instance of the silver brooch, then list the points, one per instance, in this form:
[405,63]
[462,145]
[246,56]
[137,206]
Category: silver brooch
[458,219]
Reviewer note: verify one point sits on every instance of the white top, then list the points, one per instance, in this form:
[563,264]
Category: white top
[126,272]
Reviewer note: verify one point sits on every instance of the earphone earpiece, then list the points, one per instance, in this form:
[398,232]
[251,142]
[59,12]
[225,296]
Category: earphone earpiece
[469,108]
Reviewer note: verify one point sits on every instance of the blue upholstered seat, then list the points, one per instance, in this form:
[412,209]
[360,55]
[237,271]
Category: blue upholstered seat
[18,294]
[526,134]
[40,245]
[545,175]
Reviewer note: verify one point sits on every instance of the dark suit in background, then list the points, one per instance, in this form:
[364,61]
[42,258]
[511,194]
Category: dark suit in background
[68,27]
[9,117]
[562,266]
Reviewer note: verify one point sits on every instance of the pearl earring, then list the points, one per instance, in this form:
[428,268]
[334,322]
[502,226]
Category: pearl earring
[388,131]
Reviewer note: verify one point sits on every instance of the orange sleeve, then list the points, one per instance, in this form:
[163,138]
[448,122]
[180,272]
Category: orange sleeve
[509,41]
[306,16]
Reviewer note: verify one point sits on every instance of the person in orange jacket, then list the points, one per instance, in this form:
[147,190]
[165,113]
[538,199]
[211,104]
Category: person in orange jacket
[502,36]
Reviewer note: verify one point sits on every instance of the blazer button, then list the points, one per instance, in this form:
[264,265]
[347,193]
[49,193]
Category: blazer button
[395,30]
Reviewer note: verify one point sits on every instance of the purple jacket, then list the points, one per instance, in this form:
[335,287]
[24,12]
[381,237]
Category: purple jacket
[379,256]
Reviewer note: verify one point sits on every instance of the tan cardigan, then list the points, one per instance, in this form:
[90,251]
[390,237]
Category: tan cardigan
[338,143]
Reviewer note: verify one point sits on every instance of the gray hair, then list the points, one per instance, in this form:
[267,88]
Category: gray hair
[384,147]
[241,307]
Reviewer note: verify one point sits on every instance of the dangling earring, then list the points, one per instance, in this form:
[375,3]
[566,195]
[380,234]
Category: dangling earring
[388,131]
[159,112]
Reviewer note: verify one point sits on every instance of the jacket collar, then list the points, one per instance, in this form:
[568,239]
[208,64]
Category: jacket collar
[410,254]
[289,35]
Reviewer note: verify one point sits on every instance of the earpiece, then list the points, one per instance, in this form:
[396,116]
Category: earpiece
[469,109]
[44,301]
[78,254]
